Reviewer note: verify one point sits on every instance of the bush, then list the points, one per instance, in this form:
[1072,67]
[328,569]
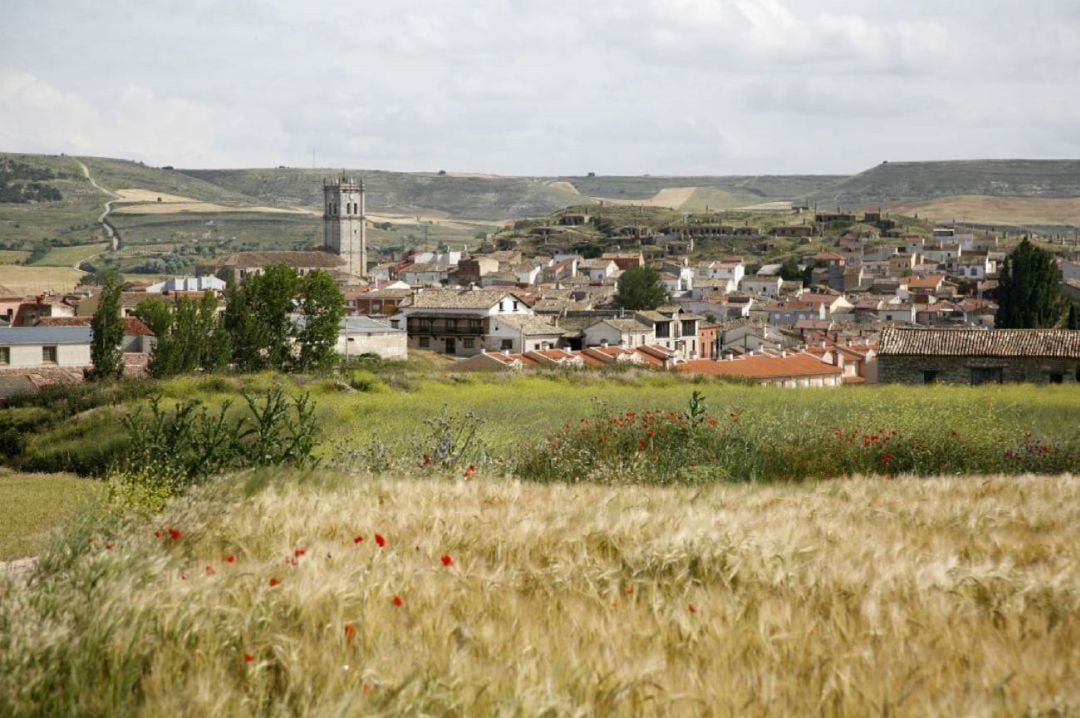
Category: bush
[172,450]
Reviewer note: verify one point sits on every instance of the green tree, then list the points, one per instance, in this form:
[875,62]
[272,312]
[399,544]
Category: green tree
[258,319]
[107,328]
[790,270]
[640,288]
[323,306]
[1028,293]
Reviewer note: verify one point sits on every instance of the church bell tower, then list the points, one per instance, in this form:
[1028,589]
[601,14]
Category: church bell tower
[344,222]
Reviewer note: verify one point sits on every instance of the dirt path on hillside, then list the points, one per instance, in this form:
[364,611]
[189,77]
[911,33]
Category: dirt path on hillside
[103,219]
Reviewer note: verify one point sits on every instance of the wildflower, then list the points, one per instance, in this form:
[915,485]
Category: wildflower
[183,575]
[358,539]
[89,539]
[157,534]
[447,560]
[641,445]
[380,540]
[299,552]
[691,608]
[398,601]
[108,547]
[712,421]
[350,631]
[174,534]
[230,559]
[274,582]
[248,658]
[209,570]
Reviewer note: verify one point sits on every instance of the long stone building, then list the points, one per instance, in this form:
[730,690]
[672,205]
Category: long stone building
[978,356]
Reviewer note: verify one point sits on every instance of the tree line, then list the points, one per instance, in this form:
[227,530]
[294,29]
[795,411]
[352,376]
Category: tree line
[275,320]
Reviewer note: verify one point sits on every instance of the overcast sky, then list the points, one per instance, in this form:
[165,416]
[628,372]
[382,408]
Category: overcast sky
[542,87]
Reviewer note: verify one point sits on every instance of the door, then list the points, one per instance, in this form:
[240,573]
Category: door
[451,345]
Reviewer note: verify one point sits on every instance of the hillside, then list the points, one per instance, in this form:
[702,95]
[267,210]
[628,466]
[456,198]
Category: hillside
[892,182]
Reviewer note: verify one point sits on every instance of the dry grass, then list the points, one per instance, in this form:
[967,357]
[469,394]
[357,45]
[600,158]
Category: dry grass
[143,201]
[37,504]
[34,280]
[914,597]
[995,210]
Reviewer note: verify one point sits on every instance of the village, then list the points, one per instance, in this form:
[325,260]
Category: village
[867,291]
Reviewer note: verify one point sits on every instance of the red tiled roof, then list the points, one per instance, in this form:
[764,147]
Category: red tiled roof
[762,367]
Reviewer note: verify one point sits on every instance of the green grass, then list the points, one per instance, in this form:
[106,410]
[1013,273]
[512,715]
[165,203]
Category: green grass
[70,256]
[37,505]
[12,256]
[72,218]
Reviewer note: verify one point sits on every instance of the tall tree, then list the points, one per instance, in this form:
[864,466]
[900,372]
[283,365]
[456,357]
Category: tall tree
[258,319]
[640,288]
[323,306]
[1028,293]
[107,327]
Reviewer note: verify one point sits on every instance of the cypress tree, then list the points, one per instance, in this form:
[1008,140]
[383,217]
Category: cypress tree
[1028,293]
[107,327]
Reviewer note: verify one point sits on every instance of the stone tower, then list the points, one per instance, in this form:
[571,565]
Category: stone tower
[344,222]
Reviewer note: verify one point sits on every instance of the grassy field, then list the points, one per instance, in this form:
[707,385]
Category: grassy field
[399,412]
[488,597]
[996,210]
[33,280]
[74,217]
[11,256]
[35,505]
[70,256]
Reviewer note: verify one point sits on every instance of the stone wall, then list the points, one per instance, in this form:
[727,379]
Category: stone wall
[958,370]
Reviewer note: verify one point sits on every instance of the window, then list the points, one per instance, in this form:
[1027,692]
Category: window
[48,355]
[468,343]
[5,355]
[1054,378]
[986,375]
[507,345]
[425,342]
[929,377]
[515,305]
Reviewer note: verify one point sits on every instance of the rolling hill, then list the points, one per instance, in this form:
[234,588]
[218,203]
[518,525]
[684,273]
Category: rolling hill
[894,182]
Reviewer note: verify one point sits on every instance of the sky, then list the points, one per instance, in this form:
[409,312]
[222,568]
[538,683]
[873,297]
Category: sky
[558,87]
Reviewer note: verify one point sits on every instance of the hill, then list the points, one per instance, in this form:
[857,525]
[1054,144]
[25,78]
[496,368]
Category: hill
[894,182]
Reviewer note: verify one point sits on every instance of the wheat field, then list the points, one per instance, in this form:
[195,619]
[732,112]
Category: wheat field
[943,596]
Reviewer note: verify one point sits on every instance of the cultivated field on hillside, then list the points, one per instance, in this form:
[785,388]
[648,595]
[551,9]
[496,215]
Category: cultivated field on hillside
[330,594]
[70,256]
[1019,211]
[34,280]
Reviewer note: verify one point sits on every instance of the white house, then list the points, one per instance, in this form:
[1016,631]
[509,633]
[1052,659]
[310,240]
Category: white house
[24,348]
[364,335]
[455,321]
[758,284]
[187,284]
[627,333]
[521,333]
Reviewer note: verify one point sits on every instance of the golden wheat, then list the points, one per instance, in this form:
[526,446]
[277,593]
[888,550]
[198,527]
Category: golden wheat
[848,597]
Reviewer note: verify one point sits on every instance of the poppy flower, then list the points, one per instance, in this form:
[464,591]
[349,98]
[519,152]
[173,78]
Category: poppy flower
[157,534]
[447,560]
[380,540]
[398,601]
[248,658]
[174,534]
[350,631]
[358,539]
[299,552]
[89,539]
[691,608]
[230,559]
[274,582]
[210,570]
[108,547]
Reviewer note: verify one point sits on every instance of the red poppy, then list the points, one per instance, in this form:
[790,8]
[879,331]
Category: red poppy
[248,658]
[89,539]
[210,570]
[380,540]
[350,631]
[274,582]
[174,534]
[398,601]
[157,534]
[447,560]
[230,559]
[358,539]
[299,552]
[108,547]
[691,608]
[641,445]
